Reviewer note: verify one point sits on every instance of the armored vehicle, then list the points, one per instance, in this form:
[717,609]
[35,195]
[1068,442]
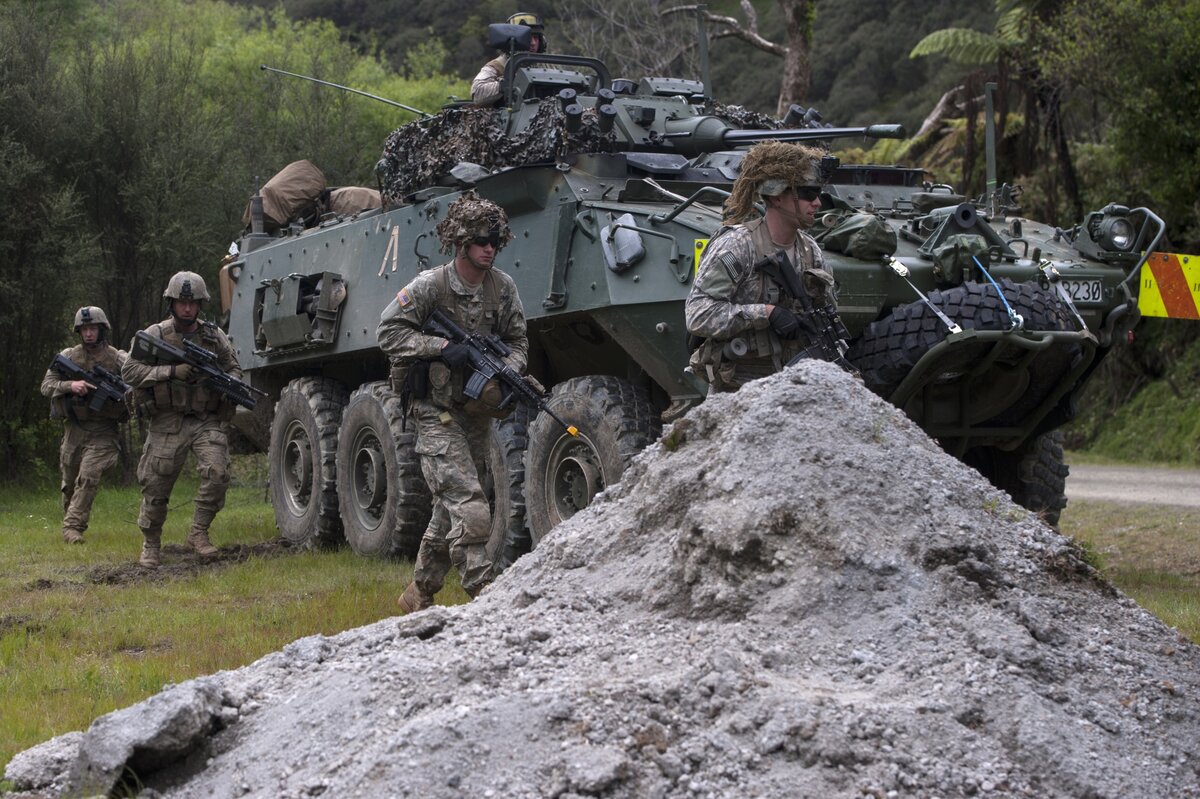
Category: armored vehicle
[981,324]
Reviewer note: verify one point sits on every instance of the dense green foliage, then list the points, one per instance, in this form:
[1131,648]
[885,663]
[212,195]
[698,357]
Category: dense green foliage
[131,134]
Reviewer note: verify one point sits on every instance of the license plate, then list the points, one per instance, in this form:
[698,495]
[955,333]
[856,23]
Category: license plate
[1085,292]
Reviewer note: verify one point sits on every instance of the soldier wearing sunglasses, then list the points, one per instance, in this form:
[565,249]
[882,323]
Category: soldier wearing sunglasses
[429,373]
[744,306]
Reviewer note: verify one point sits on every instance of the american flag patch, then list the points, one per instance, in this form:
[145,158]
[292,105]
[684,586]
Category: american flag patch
[403,297]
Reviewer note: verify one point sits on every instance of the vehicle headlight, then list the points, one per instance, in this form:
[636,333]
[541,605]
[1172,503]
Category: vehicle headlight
[1110,234]
[1116,233]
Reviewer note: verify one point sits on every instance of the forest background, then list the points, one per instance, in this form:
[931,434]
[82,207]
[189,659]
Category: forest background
[133,131]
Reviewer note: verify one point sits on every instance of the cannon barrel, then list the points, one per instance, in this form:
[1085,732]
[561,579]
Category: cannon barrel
[705,134]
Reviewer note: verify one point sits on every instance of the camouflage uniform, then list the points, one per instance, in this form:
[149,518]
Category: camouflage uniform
[452,441]
[485,89]
[727,304]
[729,300]
[186,416]
[91,439]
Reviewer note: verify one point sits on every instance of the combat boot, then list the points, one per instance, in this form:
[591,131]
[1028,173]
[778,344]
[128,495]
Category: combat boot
[414,599]
[72,536]
[151,542]
[198,541]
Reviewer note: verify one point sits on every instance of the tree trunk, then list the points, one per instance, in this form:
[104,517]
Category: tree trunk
[797,62]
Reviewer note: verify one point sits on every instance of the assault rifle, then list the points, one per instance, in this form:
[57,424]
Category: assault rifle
[487,363]
[152,349]
[106,386]
[826,331]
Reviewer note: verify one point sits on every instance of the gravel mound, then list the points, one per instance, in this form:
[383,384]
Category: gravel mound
[794,593]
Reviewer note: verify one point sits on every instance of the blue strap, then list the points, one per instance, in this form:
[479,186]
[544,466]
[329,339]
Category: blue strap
[1017,322]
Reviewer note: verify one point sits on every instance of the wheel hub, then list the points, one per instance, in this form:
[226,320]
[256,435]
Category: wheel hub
[370,480]
[297,467]
[576,478]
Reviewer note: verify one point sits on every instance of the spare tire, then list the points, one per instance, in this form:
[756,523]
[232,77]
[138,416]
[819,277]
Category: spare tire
[889,348]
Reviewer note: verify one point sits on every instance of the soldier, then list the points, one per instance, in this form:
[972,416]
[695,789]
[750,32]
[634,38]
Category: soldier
[430,372]
[90,441]
[185,415]
[485,89]
[747,315]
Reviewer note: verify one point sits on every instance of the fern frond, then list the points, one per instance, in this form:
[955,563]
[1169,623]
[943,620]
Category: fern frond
[961,45]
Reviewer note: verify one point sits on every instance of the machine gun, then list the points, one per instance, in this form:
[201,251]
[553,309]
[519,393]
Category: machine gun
[106,386]
[826,332]
[487,354]
[152,349]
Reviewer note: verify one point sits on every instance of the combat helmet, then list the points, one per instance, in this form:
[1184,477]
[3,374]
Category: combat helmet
[91,315]
[527,19]
[533,22]
[186,286]
[773,167]
[470,217]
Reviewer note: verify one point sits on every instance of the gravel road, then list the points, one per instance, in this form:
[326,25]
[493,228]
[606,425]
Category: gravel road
[1135,484]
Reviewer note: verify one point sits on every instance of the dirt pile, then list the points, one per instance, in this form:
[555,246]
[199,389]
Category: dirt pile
[794,593]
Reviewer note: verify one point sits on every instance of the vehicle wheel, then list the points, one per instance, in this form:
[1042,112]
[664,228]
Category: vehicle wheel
[889,348]
[302,473]
[504,486]
[1033,474]
[562,473]
[385,502]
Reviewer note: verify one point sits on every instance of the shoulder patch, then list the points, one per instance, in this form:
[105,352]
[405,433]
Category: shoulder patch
[730,263]
[403,297]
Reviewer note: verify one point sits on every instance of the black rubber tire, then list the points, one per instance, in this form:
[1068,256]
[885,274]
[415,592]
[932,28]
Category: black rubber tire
[505,488]
[384,500]
[1034,474]
[562,473]
[889,348]
[301,461]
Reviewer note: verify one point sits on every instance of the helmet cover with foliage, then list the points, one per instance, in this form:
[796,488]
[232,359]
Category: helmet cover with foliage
[770,169]
[91,315]
[470,217]
[186,286]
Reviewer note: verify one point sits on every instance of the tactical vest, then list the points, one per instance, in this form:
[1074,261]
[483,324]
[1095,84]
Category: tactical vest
[446,384]
[76,408]
[764,352]
[186,397]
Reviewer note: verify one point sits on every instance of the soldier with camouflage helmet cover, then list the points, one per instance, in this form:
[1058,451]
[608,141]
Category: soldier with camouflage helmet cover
[430,372]
[185,416]
[750,323]
[91,440]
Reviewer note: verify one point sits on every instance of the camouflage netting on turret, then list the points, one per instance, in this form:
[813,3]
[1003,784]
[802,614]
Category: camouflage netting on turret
[740,116]
[422,152]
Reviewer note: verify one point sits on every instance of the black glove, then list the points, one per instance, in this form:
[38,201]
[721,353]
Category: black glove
[784,322]
[456,354]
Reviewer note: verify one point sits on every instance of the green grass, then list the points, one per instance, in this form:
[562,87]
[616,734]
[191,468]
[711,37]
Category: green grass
[84,631]
[1151,553]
